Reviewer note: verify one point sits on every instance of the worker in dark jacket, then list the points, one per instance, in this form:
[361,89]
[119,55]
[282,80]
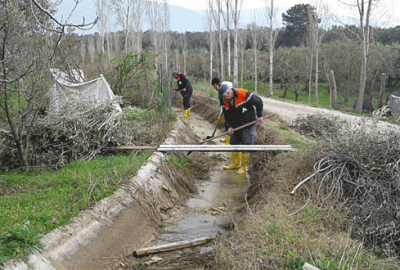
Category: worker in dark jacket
[242,107]
[186,90]
[216,83]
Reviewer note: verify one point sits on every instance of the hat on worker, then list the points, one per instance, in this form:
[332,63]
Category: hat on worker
[223,88]
[175,74]
[215,81]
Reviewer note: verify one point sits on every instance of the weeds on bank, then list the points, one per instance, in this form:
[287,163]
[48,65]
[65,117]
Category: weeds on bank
[276,236]
[178,161]
[283,231]
[38,202]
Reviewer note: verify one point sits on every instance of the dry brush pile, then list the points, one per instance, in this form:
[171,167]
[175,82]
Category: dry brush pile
[360,170]
[80,132]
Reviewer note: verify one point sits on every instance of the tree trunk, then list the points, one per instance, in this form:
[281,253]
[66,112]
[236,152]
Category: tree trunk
[316,78]
[271,42]
[296,90]
[211,58]
[221,49]
[310,78]
[228,40]
[333,90]
[382,91]
[365,29]
[235,58]
[255,70]
[170,90]
[235,43]
[242,67]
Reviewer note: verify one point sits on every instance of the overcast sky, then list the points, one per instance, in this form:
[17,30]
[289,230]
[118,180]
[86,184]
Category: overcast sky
[247,4]
[387,15]
[389,9]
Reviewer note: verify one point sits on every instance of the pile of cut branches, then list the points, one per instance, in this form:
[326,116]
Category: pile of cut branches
[361,171]
[78,133]
[317,126]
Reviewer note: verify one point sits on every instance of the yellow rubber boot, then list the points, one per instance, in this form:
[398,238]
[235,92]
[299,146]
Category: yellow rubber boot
[235,163]
[185,113]
[243,166]
[188,111]
[226,139]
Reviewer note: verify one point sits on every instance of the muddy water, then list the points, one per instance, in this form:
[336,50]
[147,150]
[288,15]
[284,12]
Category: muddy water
[217,200]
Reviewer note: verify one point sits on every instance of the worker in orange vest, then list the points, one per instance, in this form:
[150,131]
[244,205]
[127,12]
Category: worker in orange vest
[241,107]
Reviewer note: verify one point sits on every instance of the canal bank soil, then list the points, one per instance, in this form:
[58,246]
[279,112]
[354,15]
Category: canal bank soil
[207,213]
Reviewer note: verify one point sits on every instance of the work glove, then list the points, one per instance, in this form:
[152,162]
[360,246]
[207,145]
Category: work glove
[220,117]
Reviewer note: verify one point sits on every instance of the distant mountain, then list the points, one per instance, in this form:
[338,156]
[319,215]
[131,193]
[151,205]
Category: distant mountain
[181,19]
[186,20]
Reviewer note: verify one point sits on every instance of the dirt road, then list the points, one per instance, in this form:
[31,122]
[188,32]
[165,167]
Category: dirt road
[290,111]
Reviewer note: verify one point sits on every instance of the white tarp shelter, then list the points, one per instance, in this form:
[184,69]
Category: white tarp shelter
[70,89]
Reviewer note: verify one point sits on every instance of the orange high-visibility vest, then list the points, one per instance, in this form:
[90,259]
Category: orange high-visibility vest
[240,99]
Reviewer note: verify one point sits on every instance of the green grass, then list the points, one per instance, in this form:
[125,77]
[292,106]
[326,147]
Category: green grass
[179,162]
[205,87]
[35,203]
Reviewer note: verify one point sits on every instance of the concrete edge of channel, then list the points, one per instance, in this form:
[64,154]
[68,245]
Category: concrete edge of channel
[64,240]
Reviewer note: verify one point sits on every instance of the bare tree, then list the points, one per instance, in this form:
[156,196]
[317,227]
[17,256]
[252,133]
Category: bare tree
[316,35]
[123,11]
[166,31]
[364,9]
[153,19]
[237,5]
[228,38]
[217,19]
[242,44]
[210,27]
[256,40]
[273,35]
[101,10]
[138,14]
[91,48]
[184,47]
[177,65]
[31,42]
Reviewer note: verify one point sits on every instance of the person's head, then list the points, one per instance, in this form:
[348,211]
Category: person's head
[228,95]
[215,82]
[175,75]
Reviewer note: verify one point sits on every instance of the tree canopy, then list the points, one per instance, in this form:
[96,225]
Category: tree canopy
[297,20]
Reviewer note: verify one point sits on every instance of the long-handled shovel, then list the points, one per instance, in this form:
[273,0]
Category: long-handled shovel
[223,134]
[215,129]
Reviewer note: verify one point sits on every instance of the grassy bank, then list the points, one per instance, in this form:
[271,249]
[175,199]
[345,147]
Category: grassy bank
[34,203]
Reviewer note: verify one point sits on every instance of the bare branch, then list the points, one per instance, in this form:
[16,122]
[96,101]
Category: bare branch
[83,26]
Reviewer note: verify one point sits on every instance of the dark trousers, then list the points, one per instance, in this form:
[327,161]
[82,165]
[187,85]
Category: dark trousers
[187,96]
[244,136]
